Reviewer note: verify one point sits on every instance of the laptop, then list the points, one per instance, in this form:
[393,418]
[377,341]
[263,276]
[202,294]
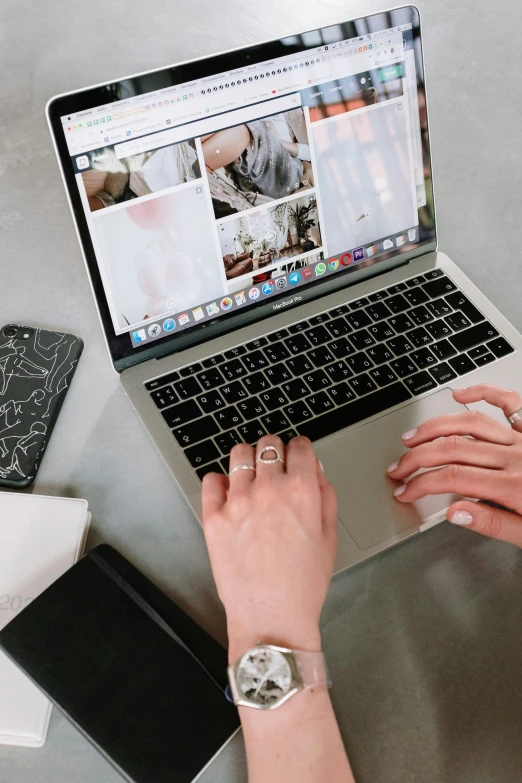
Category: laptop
[259,231]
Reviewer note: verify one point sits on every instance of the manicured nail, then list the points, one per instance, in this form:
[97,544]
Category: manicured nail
[400,490]
[461,518]
[321,465]
[460,388]
[409,435]
[392,467]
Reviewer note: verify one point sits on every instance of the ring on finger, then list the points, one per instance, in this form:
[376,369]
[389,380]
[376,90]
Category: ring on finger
[241,467]
[515,417]
[277,457]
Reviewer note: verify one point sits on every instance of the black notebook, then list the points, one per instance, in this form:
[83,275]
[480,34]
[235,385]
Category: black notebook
[142,681]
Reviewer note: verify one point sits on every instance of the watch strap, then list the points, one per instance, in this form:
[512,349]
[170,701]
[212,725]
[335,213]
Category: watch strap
[312,668]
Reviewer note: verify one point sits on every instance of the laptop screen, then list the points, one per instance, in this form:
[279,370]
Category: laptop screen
[251,185]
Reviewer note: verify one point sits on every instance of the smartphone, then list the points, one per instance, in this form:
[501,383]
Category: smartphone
[36,368]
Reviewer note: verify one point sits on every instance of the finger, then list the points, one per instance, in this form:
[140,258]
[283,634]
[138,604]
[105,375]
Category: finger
[487,521]
[453,450]
[241,454]
[473,423]
[481,483]
[214,494]
[508,400]
[272,448]
[328,504]
[300,457]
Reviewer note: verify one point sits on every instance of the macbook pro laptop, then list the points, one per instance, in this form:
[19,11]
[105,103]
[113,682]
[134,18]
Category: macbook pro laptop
[259,231]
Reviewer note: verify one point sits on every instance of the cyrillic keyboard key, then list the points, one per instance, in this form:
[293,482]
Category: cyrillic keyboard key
[400,345]
[460,302]
[485,359]
[232,370]
[379,354]
[419,337]
[416,296]
[439,308]
[438,329]
[420,315]
[359,362]
[341,393]
[256,383]
[457,321]
[297,412]
[403,367]
[467,339]
[297,343]
[355,411]
[420,383]
[206,451]
[319,403]
[214,467]
[381,331]
[228,417]
[211,401]
[338,371]
[255,361]
[318,335]
[423,358]
[443,349]
[439,287]
[383,376]
[158,382]
[182,413]
[341,347]
[362,339]
[362,384]
[296,390]
[234,392]
[251,432]
[278,374]
[251,408]
[210,378]
[197,430]
[338,327]
[276,352]
[164,397]
[500,347]
[401,323]
[320,356]
[274,422]
[443,373]
[317,380]
[273,399]
[462,364]
[300,364]
[227,440]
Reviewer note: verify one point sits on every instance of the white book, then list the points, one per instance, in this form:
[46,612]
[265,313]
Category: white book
[40,538]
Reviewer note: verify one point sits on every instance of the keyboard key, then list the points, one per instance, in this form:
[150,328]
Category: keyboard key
[254,344]
[423,358]
[234,392]
[192,369]
[442,285]
[355,411]
[275,337]
[214,467]
[297,412]
[229,417]
[341,393]
[362,339]
[500,347]
[318,335]
[443,373]
[420,315]
[297,344]
[358,320]
[362,384]
[300,365]
[206,451]
[317,380]
[256,383]
[413,281]
[197,430]
[187,388]
[460,302]
[397,288]
[320,356]
[278,374]
[462,364]
[210,378]
[273,399]
[318,319]
[480,350]
[359,362]
[379,354]
[439,308]
[235,352]
[338,327]
[484,359]
[467,339]
[211,401]
[166,379]
[381,331]
[213,361]
[383,376]
[457,321]
[287,436]
[433,273]
[276,352]
[377,296]
[342,310]
[443,349]
[164,397]
[338,371]
[341,348]
[227,440]
[416,296]
[403,367]
[400,345]
[255,361]
[298,327]
[319,403]
[182,413]
[250,408]
[397,303]
[358,303]
[420,383]
[438,329]
[225,465]
[419,337]
[275,422]
[401,323]
[251,432]
[378,311]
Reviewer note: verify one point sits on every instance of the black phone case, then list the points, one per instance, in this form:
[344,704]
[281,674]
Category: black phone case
[35,375]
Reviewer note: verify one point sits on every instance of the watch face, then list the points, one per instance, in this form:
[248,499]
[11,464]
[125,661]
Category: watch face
[264,676]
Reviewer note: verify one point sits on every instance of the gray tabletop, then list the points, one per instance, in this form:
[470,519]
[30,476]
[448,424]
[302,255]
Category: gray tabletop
[425,641]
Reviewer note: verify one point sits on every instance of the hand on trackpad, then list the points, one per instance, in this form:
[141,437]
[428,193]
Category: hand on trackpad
[356,462]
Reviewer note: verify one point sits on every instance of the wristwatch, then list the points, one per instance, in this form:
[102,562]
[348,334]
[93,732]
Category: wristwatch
[266,676]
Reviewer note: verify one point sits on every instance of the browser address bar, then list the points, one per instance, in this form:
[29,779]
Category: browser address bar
[208,125]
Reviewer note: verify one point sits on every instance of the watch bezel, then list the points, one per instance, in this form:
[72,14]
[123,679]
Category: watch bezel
[296,684]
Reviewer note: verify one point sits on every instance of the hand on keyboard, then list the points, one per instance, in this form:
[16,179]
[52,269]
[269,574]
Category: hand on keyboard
[487,466]
[271,535]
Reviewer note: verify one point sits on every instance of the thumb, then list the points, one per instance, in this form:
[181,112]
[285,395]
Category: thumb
[491,522]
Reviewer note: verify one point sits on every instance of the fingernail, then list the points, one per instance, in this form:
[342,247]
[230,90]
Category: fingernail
[321,465]
[400,490]
[460,388]
[409,435]
[461,518]
[392,467]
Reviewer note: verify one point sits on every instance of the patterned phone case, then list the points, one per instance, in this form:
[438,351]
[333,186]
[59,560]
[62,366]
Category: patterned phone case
[35,375]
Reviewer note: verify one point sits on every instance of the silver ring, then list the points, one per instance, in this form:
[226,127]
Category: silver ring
[517,416]
[241,467]
[269,461]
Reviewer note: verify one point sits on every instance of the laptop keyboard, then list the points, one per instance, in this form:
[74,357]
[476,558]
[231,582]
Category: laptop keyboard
[327,372]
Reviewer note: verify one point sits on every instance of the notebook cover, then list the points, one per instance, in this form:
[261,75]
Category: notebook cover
[130,669]
[40,538]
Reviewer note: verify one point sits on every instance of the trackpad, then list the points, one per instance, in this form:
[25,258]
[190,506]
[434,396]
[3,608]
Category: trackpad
[355,463]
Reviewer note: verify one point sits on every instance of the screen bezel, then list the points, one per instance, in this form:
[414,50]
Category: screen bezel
[61,105]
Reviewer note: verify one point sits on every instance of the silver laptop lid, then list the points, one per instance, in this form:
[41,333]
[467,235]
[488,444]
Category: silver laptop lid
[213,194]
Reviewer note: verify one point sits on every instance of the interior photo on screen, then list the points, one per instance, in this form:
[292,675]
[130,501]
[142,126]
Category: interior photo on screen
[277,273]
[112,180]
[366,175]
[263,238]
[251,164]
[158,255]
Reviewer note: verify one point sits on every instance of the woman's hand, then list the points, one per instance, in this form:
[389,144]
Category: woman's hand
[486,466]
[271,535]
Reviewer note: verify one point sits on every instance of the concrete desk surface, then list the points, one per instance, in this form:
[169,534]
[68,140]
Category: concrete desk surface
[424,642]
